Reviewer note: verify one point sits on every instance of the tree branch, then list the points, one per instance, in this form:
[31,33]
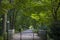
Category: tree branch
[57,8]
[55,11]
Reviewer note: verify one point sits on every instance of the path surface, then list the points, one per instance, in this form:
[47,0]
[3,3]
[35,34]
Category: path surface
[26,35]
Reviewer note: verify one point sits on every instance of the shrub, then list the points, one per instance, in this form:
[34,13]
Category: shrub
[55,30]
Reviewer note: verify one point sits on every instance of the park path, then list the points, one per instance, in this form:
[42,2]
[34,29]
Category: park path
[26,35]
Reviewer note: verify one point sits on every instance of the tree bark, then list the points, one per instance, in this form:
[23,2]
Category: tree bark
[4,25]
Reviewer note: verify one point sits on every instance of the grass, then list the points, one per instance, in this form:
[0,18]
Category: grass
[1,38]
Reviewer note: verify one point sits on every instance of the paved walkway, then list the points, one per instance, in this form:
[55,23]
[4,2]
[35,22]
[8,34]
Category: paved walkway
[26,35]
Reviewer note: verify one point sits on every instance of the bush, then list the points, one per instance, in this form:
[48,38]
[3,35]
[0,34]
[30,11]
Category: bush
[55,30]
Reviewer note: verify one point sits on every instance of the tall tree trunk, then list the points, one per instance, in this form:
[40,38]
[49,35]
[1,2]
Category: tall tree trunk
[12,16]
[5,20]
[12,19]
[4,25]
[4,16]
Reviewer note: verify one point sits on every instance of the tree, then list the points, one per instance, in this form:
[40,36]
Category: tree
[30,7]
[56,22]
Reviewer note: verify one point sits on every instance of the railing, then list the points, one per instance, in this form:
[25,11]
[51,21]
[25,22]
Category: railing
[32,33]
[41,34]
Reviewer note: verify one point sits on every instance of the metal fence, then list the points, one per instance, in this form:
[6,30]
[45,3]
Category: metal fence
[42,35]
[27,38]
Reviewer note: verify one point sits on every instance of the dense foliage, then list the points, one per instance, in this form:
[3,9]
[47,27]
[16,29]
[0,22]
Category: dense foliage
[37,14]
